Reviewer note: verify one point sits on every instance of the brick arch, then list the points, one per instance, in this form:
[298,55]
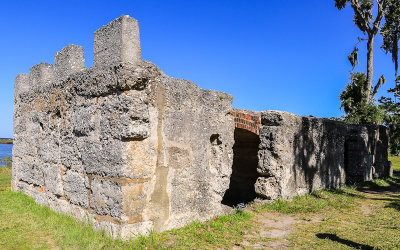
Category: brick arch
[248,122]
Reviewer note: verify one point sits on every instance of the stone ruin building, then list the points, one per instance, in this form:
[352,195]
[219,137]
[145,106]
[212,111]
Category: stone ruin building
[131,149]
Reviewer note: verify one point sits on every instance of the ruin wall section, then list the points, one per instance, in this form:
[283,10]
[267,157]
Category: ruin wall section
[366,153]
[298,155]
[120,143]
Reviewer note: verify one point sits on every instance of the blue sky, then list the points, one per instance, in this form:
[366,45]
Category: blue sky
[285,55]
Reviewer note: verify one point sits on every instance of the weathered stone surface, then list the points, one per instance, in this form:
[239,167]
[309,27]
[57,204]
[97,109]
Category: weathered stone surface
[299,155]
[194,171]
[31,173]
[381,163]
[69,60]
[125,116]
[21,84]
[358,159]
[52,179]
[40,74]
[106,197]
[70,156]
[366,153]
[83,120]
[76,188]
[102,158]
[35,192]
[117,42]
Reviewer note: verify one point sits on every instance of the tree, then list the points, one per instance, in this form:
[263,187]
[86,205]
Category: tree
[354,102]
[391,30]
[363,19]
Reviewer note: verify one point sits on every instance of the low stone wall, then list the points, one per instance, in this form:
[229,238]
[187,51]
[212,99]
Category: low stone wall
[299,155]
[366,154]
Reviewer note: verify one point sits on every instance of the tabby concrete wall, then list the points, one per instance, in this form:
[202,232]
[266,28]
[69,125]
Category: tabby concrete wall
[366,154]
[298,155]
[120,143]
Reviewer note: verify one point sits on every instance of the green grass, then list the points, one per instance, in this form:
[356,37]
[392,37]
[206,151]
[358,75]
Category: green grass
[395,162]
[6,162]
[377,228]
[317,201]
[372,223]
[5,179]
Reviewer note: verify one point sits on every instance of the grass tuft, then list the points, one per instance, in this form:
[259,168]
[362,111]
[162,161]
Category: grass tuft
[395,162]
[317,201]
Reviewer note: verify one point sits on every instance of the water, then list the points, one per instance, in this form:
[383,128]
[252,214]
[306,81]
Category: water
[5,150]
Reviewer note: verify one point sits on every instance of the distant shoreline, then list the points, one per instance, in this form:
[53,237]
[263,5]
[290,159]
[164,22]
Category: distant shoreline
[6,141]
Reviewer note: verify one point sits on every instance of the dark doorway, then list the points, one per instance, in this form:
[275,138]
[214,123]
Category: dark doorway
[244,169]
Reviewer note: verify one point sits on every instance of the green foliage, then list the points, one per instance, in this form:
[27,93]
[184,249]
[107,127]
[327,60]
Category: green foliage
[217,233]
[340,4]
[367,113]
[353,94]
[395,162]
[392,117]
[354,102]
[391,30]
[365,14]
[362,12]
[6,162]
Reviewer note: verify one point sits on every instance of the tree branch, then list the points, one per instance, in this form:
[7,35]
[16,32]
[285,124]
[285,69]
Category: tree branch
[378,19]
[357,11]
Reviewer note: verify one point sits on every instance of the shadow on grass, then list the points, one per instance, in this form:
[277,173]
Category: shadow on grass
[334,237]
[394,204]
[344,192]
[391,184]
[317,194]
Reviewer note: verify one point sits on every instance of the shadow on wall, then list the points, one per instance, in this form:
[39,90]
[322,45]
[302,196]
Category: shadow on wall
[244,169]
[366,153]
[318,148]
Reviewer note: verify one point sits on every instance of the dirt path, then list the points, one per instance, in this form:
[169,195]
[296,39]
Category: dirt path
[272,229]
